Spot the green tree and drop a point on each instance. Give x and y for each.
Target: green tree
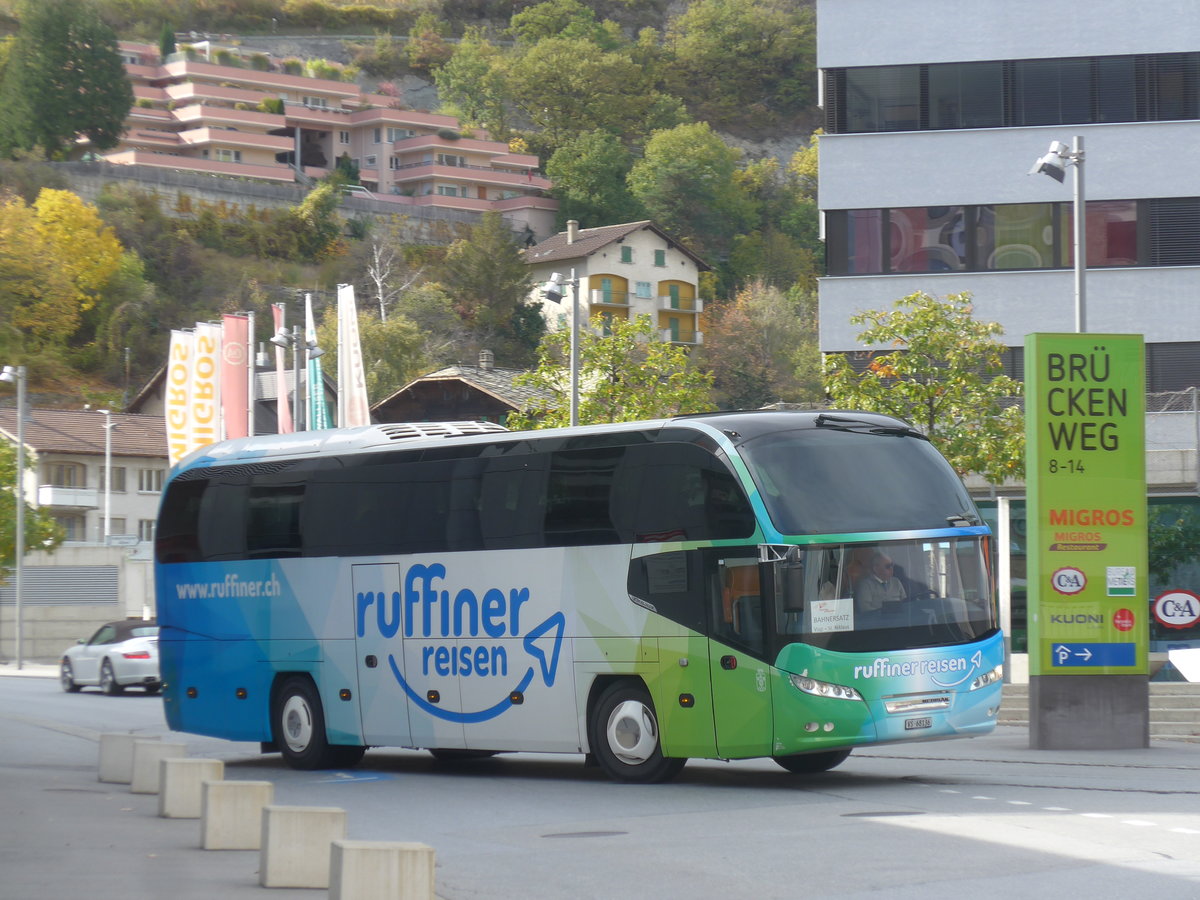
(471, 84)
(166, 41)
(560, 82)
(392, 351)
(626, 373)
(686, 182)
(427, 47)
(747, 62)
(589, 173)
(489, 283)
(65, 78)
(944, 374)
(41, 531)
(564, 18)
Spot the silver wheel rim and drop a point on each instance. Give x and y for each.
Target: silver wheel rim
(106, 675)
(65, 676)
(632, 732)
(297, 724)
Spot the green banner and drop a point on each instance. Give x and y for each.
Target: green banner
(1085, 463)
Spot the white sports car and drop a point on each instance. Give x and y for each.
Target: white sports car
(119, 655)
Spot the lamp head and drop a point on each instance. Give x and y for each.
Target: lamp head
(553, 291)
(313, 350)
(1051, 164)
(9, 374)
(282, 338)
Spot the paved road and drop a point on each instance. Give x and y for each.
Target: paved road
(980, 818)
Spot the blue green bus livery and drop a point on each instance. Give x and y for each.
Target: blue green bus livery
(756, 584)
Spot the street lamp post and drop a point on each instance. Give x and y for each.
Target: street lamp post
(17, 374)
(300, 347)
(554, 293)
(109, 425)
(1054, 164)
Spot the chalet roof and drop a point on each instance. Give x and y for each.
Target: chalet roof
(81, 431)
(591, 240)
(496, 382)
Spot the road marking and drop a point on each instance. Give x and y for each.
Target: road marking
(1140, 823)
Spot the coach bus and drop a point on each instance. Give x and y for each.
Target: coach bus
(775, 583)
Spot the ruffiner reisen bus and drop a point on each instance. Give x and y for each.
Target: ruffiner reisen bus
(640, 593)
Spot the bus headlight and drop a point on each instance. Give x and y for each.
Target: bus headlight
(824, 688)
(988, 678)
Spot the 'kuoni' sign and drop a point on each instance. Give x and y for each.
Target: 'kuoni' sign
(1085, 468)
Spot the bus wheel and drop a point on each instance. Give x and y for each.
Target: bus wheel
(299, 725)
(807, 763)
(624, 737)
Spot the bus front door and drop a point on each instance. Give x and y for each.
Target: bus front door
(379, 649)
(741, 682)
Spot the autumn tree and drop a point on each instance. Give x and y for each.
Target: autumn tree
(64, 78)
(761, 348)
(944, 373)
(626, 373)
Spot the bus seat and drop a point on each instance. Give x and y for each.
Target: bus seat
(747, 619)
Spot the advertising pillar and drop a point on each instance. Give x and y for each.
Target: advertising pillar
(1088, 569)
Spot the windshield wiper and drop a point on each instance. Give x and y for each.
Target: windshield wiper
(844, 423)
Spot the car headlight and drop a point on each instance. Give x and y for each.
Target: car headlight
(988, 678)
(824, 688)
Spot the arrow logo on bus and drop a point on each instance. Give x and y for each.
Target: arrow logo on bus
(976, 662)
(542, 643)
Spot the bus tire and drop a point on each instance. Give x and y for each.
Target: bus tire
(298, 723)
(808, 763)
(624, 736)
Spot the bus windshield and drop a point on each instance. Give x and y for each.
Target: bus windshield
(844, 481)
(885, 596)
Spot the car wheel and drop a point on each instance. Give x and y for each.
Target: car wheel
(153, 688)
(624, 736)
(108, 680)
(298, 722)
(67, 676)
(808, 763)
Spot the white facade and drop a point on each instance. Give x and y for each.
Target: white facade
(1140, 158)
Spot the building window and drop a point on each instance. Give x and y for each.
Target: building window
(377, 135)
(150, 481)
(371, 161)
(318, 102)
(1076, 90)
(447, 190)
(626, 254)
(451, 159)
(642, 289)
(1156, 232)
(74, 527)
(116, 524)
(660, 258)
(394, 162)
(66, 474)
(398, 134)
(118, 479)
(224, 154)
(343, 137)
(146, 529)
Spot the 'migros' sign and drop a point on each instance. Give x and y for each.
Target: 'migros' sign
(1086, 474)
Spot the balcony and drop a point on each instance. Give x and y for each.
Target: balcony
(682, 336)
(681, 304)
(50, 495)
(609, 298)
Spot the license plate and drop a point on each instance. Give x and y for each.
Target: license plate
(914, 724)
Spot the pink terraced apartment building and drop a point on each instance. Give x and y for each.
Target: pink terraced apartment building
(194, 115)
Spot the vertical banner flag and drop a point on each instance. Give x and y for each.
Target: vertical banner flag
(235, 375)
(177, 397)
(206, 385)
(282, 410)
(353, 408)
(318, 411)
(1085, 472)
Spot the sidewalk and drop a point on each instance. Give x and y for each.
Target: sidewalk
(29, 670)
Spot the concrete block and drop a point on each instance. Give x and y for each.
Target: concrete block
(146, 757)
(116, 757)
(296, 842)
(231, 814)
(180, 784)
(380, 870)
